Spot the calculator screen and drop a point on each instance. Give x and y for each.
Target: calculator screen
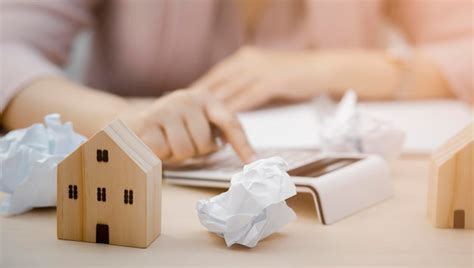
(321, 167)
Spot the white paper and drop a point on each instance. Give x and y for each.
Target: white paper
(254, 206)
(290, 126)
(28, 160)
(426, 123)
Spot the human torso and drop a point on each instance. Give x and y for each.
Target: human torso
(144, 48)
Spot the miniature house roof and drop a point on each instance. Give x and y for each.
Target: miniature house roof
(454, 145)
(132, 145)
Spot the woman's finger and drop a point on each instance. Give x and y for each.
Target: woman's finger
(249, 98)
(199, 129)
(233, 86)
(218, 75)
(156, 140)
(231, 129)
(178, 138)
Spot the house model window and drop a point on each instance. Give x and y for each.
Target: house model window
(128, 197)
(102, 156)
(101, 194)
(72, 191)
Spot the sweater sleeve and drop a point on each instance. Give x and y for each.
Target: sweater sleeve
(443, 31)
(35, 40)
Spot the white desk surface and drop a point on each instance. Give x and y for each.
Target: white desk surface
(395, 233)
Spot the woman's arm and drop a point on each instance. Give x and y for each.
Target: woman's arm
(35, 40)
(440, 64)
(443, 32)
(252, 77)
(375, 74)
(87, 108)
(176, 127)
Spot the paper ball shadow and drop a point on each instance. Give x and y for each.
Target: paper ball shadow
(218, 242)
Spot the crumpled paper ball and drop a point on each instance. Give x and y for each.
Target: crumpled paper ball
(343, 128)
(28, 160)
(254, 206)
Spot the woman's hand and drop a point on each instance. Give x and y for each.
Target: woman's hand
(180, 125)
(252, 77)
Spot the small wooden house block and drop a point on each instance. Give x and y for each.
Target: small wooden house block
(451, 185)
(109, 190)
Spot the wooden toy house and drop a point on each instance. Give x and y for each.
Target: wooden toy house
(109, 190)
(451, 185)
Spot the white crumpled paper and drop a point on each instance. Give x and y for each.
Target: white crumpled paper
(254, 206)
(343, 128)
(28, 160)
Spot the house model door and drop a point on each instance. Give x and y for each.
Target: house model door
(102, 234)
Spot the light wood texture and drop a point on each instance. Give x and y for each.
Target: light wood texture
(130, 166)
(70, 220)
(395, 233)
(451, 187)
